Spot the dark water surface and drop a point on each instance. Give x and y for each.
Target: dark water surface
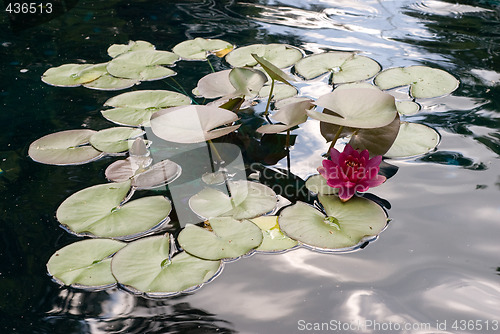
(437, 264)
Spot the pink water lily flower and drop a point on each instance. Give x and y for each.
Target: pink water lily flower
(351, 171)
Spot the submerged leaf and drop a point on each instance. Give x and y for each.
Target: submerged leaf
(280, 55)
(413, 139)
(199, 48)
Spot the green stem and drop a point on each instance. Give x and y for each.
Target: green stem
(287, 144)
(270, 97)
(210, 64)
(214, 149)
(334, 141)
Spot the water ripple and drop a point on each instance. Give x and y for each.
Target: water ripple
(445, 8)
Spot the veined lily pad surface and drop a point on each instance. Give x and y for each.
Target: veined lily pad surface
(248, 200)
(143, 65)
(273, 71)
(85, 263)
(274, 240)
(73, 75)
(342, 227)
(115, 140)
(317, 185)
(424, 82)
(118, 49)
(280, 55)
(344, 66)
(413, 139)
(69, 147)
(146, 266)
(109, 82)
(99, 211)
(229, 238)
(199, 48)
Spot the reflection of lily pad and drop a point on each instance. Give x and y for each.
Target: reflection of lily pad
(64, 148)
(114, 140)
(98, 211)
(85, 264)
(274, 240)
(118, 49)
(344, 227)
(228, 239)
(344, 66)
(424, 82)
(280, 55)
(413, 139)
(143, 65)
(73, 75)
(248, 200)
(199, 48)
(145, 265)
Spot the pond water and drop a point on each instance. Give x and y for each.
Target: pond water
(435, 269)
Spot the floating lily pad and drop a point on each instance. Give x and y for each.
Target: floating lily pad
(199, 48)
(115, 140)
(344, 66)
(407, 108)
(274, 240)
(344, 227)
(64, 148)
(280, 55)
(247, 81)
(143, 65)
(248, 200)
(318, 185)
(118, 49)
(228, 239)
(146, 266)
(98, 211)
(109, 82)
(424, 82)
(357, 108)
(230, 83)
(280, 92)
(193, 124)
(85, 264)
(413, 139)
(73, 75)
(289, 115)
(273, 71)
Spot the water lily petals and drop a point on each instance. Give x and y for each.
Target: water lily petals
(199, 48)
(145, 266)
(118, 49)
(152, 99)
(344, 227)
(345, 66)
(424, 82)
(317, 184)
(85, 264)
(64, 148)
(73, 75)
(273, 239)
(229, 239)
(413, 139)
(280, 55)
(246, 81)
(357, 108)
(143, 65)
(97, 211)
(193, 124)
(114, 140)
(378, 140)
(109, 82)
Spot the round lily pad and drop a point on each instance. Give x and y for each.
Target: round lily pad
(280, 92)
(424, 82)
(345, 225)
(85, 264)
(146, 266)
(148, 99)
(318, 185)
(199, 48)
(229, 83)
(143, 65)
(228, 239)
(407, 108)
(273, 71)
(413, 139)
(274, 240)
(73, 75)
(344, 66)
(193, 124)
(64, 148)
(248, 200)
(246, 81)
(114, 140)
(99, 211)
(118, 49)
(280, 55)
(109, 82)
(356, 108)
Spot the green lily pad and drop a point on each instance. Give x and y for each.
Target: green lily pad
(146, 266)
(424, 82)
(274, 240)
(248, 200)
(115, 140)
(230, 83)
(344, 66)
(280, 55)
(193, 124)
(73, 75)
(280, 92)
(143, 65)
(318, 185)
(407, 108)
(148, 99)
(99, 211)
(228, 239)
(246, 81)
(64, 148)
(109, 82)
(273, 71)
(85, 264)
(356, 108)
(199, 48)
(413, 139)
(344, 227)
(118, 49)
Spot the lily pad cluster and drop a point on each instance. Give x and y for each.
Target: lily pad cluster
(128, 237)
